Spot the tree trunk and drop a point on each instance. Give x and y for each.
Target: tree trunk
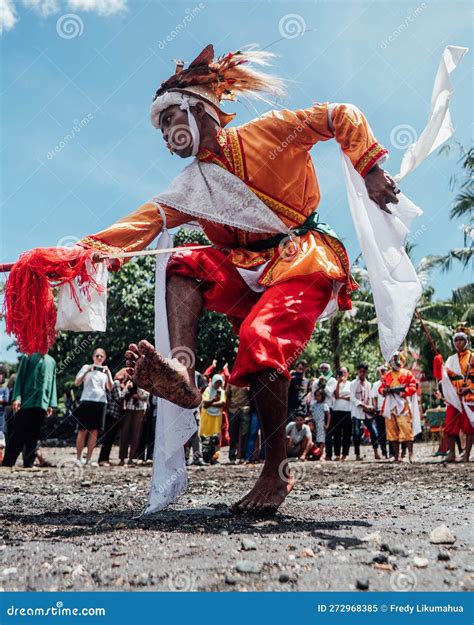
(334, 337)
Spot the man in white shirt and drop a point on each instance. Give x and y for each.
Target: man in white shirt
(362, 411)
(377, 402)
(341, 415)
(326, 382)
(298, 439)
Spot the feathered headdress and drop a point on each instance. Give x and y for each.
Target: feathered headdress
(462, 330)
(223, 79)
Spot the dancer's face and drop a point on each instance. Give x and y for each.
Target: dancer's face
(460, 343)
(176, 132)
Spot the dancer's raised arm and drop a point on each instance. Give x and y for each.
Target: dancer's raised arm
(133, 232)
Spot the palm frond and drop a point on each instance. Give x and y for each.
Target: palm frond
(439, 328)
(463, 294)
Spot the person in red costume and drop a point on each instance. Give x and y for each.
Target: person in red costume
(457, 378)
(398, 386)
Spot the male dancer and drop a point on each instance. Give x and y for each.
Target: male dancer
(458, 390)
(272, 293)
(398, 387)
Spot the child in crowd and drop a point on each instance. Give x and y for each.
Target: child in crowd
(322, 418)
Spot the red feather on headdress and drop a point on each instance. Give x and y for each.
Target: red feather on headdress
(228, 76)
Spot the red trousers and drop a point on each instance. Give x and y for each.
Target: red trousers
(273, 327)
(456, 421)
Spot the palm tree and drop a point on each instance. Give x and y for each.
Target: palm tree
(463, 208)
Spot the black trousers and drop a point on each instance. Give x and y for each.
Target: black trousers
(330, 437)
(27, 424)
(147, 441)
(341, 427)
(382, 436)
(235, 420)
(111, 429)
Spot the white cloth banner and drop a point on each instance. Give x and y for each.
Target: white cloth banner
(395, 284)
(91, 316)
(174, 425)
(439, 127)
(393, 279)
(449, 391)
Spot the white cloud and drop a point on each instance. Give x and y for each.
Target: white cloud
(102, 7)
(44, 7)
(7, 15)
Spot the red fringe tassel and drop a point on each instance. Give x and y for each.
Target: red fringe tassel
(29, 308)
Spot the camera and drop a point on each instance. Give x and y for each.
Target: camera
(98, 368)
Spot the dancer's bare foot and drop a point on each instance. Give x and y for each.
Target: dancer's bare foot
(449, 459)
(464, 458)
(163, 377)
(266, 496)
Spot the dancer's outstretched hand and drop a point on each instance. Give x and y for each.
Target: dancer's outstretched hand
(381, 188)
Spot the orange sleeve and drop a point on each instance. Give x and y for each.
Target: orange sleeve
(410, 384)
(135, 231)
(384, 385)
(284, 128)
(354, 135)
(305, 127)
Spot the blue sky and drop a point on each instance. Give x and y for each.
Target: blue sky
(95, 64)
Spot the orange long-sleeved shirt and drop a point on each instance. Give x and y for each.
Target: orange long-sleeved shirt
(466, 379)
(402, 377)
(271, 156)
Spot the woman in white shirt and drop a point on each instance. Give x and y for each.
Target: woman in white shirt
(341, 415)
(96, 380)
(363, 411)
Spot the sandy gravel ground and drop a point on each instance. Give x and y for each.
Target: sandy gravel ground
(346, 526)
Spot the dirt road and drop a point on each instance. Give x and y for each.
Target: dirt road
(346, 526)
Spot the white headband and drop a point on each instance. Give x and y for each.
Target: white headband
(185, 101)
(461, 335)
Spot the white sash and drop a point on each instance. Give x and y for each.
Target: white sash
(449, 390)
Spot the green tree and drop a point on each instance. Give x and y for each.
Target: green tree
(130, 317)
(463, 208)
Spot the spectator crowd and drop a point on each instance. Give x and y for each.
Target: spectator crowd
(328, 415)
